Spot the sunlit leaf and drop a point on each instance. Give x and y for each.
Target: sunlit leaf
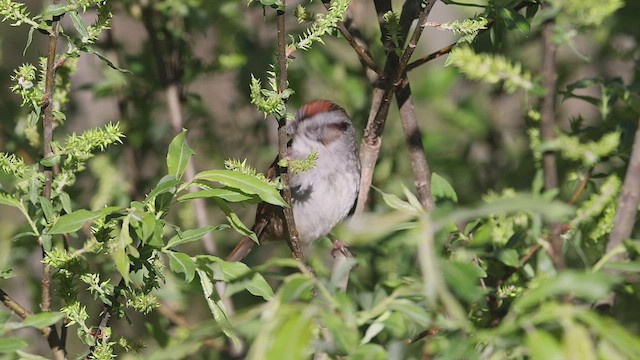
(245, 183)
(73, 222)
(178, 155)
(190, 235)
(441, 189)
(42, 320)
(182, 263)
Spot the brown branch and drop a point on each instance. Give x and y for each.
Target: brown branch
(625, 217)
(413, 136)
(372, 140)
(434, 55)
(50, 332)
(547, 125)
(581, 187)
(362, 52)
(293, 242)
(13, 305)
(52, 336)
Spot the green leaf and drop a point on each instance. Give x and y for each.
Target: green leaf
(120, 255)
(216, 306)
(441, 189)
(275, 4)
(65, 200)
(104, 59)
(462, 279)
(182, 263)
(588, 286)
(412, 311)
(26, 356)
(6, 199)
(178, 155)
(29, 40)
(11, 344)
(78, 23)
(238, 275)
(73, 222)
(47, 208)
(515, 20)
(543, 346)
(577, 342)
(166, 185)
(396, 203)
(370, 352)
(611, 331)
(293, 336)
(145, 226)
(6, 273)
(296, 287)
(235, 221)
(43, 319)
(54, 10)
(521, 203)
(227, 194)
(245, 183)
(189, 236)
(509, 257)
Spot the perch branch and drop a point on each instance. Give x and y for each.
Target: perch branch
(413, 136)
(547, 124)
(55, 344)
(294, 243)
(362, 52)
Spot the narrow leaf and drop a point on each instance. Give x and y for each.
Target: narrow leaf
(182, 263)
(178, 155)
(43, 319)
(6, 199)
(78, 23)
(216, 306)
(227, 194)
(120, 255)
(189, 236)
(73, 222)
(235, 221)
(441, 189)
(246, 183)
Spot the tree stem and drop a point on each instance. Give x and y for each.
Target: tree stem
(293, 241)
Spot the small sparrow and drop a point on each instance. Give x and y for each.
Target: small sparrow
(322, 196)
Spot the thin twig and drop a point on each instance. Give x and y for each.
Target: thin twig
(293, 241)
(547, 125)
(447, 49)
(434, 55)
(362, 52)
(49, 332)
(581, 187)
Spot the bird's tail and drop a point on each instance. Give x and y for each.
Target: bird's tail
(241, 250)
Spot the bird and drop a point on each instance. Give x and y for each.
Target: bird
(322, 196)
